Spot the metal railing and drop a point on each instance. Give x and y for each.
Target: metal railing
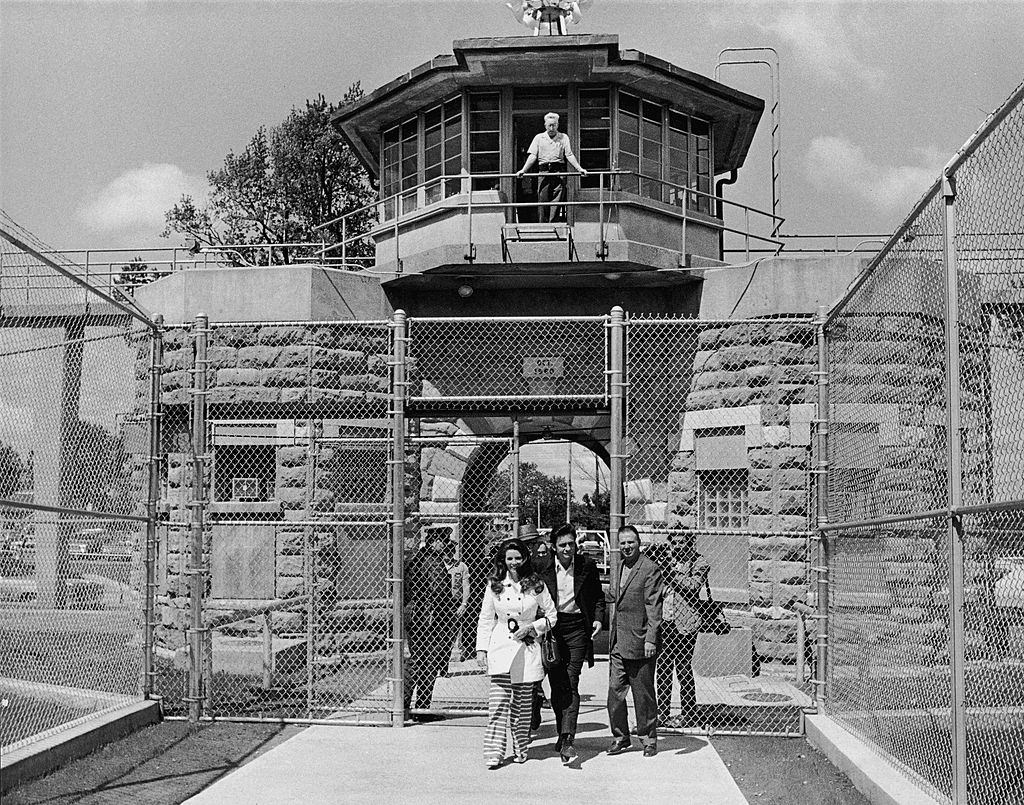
(609, 196)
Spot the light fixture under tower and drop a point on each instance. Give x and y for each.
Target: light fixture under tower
(465, 291)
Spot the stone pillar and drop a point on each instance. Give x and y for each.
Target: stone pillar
(53, 477)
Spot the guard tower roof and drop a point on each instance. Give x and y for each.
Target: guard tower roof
(528, 60)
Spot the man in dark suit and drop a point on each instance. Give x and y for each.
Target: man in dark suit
(633, 644)
(573, 582)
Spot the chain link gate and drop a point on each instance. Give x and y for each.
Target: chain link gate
(719, 421)
(276, 588)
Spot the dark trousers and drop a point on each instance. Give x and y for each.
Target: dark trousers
(550, 192)
(429, 652)
(571, 632)
(638, 676)
(676, 657)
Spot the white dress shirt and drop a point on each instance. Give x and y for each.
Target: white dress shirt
(566, 578)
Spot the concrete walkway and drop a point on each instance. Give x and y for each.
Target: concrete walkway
(443, 762)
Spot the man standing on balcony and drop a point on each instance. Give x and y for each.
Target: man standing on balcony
(550, 150)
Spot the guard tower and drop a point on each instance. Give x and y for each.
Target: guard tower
(458, 231)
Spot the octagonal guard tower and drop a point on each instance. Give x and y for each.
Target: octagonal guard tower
(459, 231)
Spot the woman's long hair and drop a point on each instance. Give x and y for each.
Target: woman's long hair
(528, 579)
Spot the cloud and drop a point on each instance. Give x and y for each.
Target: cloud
(820, 42)
(837, 163)
(137, 199)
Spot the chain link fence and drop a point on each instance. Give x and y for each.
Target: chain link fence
(718, 437)
(75, 423)
(925, 499)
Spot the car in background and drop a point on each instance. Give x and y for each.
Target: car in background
(1009, 586)
(595, 544)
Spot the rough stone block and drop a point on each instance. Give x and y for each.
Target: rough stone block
(294, 395)
(289, 543)
(761, 502)
(703, 400)
(681, 520)
(346, 361)
(237, 377)
(760, 375)
(791, 522)
(708, 338)
(290, 476)
(289, 565)
(292, 497)
(775, 435)
(683, 460)
(793, 573)
(715, 380)
(445, 464)
(238, 336)
(175, 380)
(680, 481)
(258, 357)
(742, 395)
(295, 356)
(791, 501)
(281, 335)
(791, 457)
(288, 586)
(283, 622)
(762, 458)
(282, 377)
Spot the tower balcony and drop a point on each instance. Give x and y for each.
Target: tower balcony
(622, 222)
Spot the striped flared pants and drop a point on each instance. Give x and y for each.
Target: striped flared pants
(508, 710)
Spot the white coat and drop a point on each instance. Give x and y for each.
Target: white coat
(504, 654)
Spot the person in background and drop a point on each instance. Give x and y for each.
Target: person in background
(633, 645)
(516, 609)
(685, 577)
(429, 619)
(576, 588)
(541, 556)
(459, 577)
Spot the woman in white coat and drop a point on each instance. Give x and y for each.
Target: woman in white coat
(516, 609)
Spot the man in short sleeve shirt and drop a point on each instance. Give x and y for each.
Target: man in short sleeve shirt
(550, 151)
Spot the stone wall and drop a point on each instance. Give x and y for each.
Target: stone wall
(753, 382)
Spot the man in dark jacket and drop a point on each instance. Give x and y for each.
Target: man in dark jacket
(633, 644)
(573, 582)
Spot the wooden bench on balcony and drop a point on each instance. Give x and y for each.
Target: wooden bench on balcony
(554, 231)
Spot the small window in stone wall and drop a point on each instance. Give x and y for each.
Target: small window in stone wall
(722, 499)
(243, 472)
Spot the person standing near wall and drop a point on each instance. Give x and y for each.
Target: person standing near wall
(576, 588)
(686, 577)
(550, 151)
(633, 645)
(459, 588)
(429, 619)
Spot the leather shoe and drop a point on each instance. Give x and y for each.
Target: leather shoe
(618, 747)
(568, 755)
(650, 751)
(558, 743)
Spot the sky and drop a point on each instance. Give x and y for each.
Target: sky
(110, 111)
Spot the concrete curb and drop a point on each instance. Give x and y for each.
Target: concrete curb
(43, 756)
(870, 771)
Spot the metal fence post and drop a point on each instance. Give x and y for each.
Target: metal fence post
(398, 391)
(155, 415)
(617, 404)
(196, 573)
(514, 471)
(954, 466)
(308, 568)
(821, 507)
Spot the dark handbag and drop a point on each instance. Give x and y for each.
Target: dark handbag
(709, 614)
(549, 653)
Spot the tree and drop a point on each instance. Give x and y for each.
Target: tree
(98, 471)
(12, 471)
(285, 183)
(135, 273)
